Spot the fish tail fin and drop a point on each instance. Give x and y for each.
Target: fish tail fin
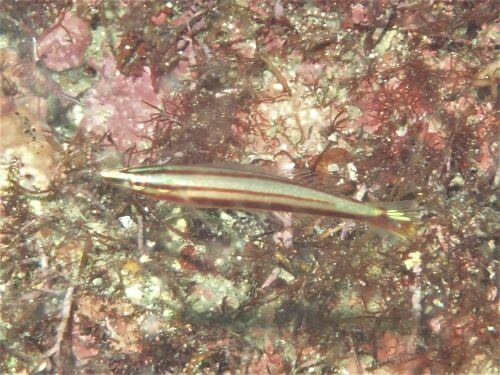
(400, 219)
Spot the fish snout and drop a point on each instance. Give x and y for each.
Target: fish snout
(115, 177)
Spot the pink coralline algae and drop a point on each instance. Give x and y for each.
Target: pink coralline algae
(120, 104)
(371, 106)
(359, 14)
(64, 46)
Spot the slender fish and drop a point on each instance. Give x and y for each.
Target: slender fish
(225, 187)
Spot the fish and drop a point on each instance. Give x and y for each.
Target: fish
(240, 188)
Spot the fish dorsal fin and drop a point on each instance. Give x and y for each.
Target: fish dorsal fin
(268, 171)
(327, 183)
(324, 182)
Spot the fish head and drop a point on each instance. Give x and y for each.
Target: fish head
(123, 178)
(137, 179)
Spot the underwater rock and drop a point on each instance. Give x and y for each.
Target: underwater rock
(24, 138)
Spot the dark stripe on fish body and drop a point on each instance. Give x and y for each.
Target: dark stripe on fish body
(208, 173)
(227, 190)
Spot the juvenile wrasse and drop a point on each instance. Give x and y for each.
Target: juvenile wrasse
(224, 187)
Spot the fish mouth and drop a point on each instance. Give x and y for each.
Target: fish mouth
(115, 177)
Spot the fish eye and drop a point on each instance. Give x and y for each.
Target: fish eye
(137, 185)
